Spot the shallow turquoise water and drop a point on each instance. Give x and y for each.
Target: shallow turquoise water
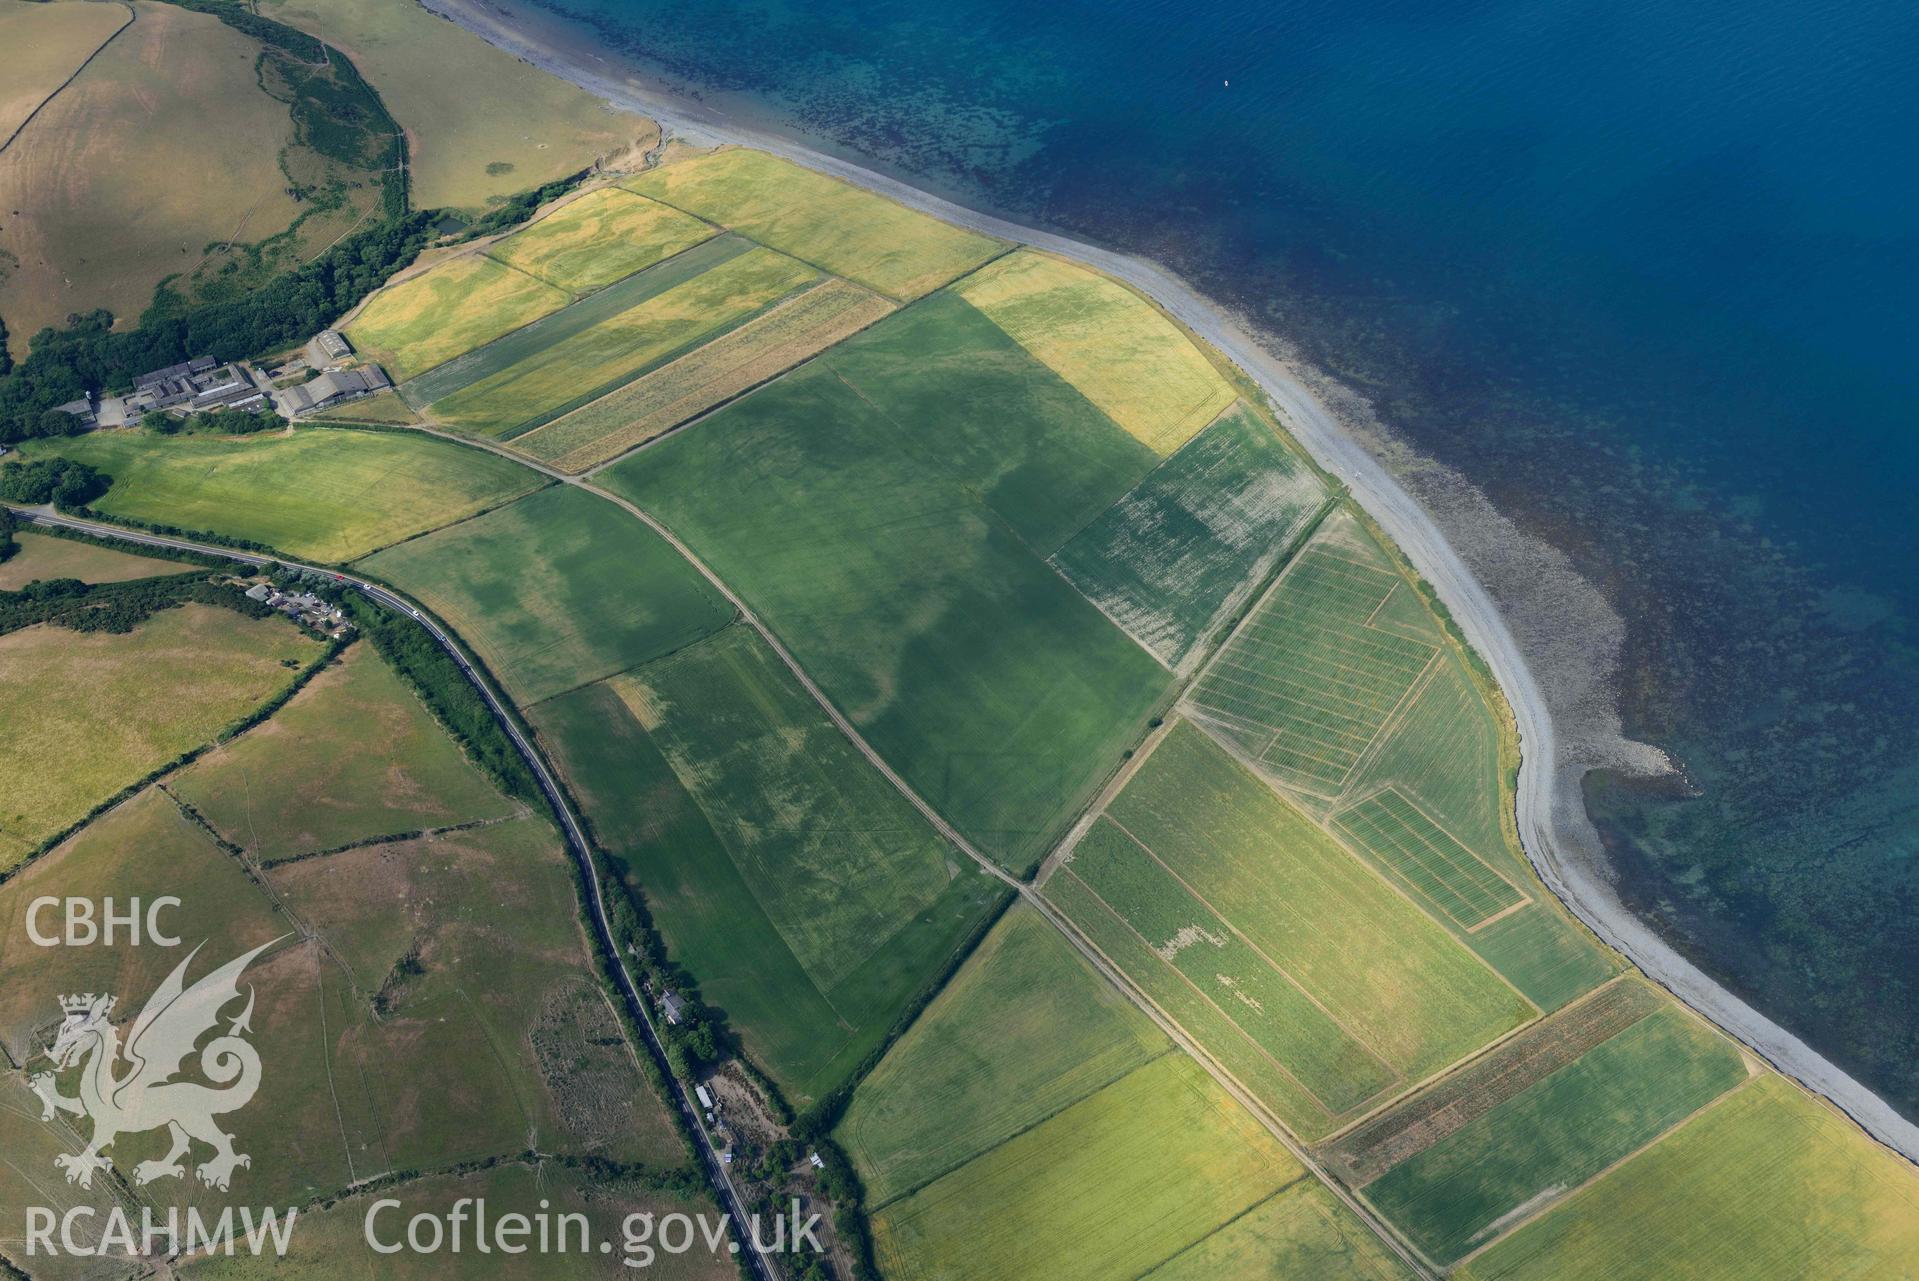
(1644, 271)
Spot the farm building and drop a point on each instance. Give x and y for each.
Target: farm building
(329, 389)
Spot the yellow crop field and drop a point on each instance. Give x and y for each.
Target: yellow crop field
(41, 45)
(480, 123)
(461, 304)
(599, 238)
(1769, 1185)
(85, 714)
(1107, 341)
(165, 144)
(722, 369)
(849, 231)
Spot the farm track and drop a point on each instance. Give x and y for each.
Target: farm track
(570, 825)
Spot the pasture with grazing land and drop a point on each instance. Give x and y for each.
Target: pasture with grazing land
(171, 156)
(995, 689)
(86, 714)
(813, 901)
(1023, 1031)
(1560, 1130)
(481, 124)
(328, 493)
(1297, 902)
(446, 311)
(1177, 555)
(1111, 1186)
(557, 590)
(42, 45)
(763, 347)
(846, 230)
(1770, 1184)
(659, 325)
(44, 556)
(353, 755)
(591, 242)
(1118, 349)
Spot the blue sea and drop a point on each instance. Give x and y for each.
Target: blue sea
(1645, 271)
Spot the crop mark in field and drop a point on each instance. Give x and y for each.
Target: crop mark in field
(1308, 685)
(1375, 1146)
(1414, 846)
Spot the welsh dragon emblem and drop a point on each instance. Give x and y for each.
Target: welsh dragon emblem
(133, 1088)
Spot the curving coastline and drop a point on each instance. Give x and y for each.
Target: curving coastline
(1557, 835)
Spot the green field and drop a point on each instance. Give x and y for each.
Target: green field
(760, 349)
(86, 714)
(1109, 342)
(1025, 1030)
(1769, 1185)
(1420, 852)
(1175, 557)
(354, 755)
(1343, 687)
(1250, 864)
(1305, 686)
(1112, 1186)
(996, 690)
(1557, 1133)
(557, 590)
(44, 556)
(581, 368)
(844, 229)
(1302, 1233)
(463, 303)
(808, 898)
(327, 493)
(593, 241)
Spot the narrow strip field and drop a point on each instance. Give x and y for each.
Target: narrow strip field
(1178, 554)
(846, 230)
(44, 557)
(580, 369)
(1118, 349)
(447, 311)
(527, 340)
(557, 590)
(1425, 854)
(595, 240)
(763, 347)
(324, 493)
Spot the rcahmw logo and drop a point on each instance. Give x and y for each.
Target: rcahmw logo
(184, 1062)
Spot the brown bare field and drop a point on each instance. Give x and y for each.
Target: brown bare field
(742, 359)
(1370, 1149)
